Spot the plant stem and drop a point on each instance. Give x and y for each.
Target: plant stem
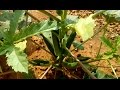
(46, 72)
(99, 50)
(83, 67)
(101, 42)
(50, 15)
(92, 60)
(103, 66)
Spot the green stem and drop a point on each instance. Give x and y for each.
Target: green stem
(92, 60)
(50, 15)
(26, 18)
(99, 50)
(101, 42)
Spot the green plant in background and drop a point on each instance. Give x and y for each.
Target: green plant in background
(59, 34)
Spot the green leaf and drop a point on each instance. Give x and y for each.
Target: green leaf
(29, 75)
(52, 42)
(59, 12)
(47, 36)
(117, 41)
(78, 45)
(70, 39)
(108, 55)
(4, 49)
(71, 19)
(39, 62)
(70, 65)
(18, 60)
(4, 26)
(84, 27)
(21, 45)
(107, 42)
(113, 14)
(6, 15)
(34, 29)
(100, 74)
(56, 45)
(83, 58)
(15, 20)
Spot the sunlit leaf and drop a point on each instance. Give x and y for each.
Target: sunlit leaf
(84, 27)
(78, 45)
(34, 29)
(100, 74)
(21, 45)
(113, 14)
(107, 42)
(17, 60)
(70, 65)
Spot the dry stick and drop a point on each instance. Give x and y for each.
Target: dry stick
(83, 67)
(112, 69)
(32, 16)
(71, 74)
(50, 15)
(46, 72)
(4, 73)
(103, 66)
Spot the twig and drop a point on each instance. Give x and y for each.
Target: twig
(103, 66)
(4, 73)
(70, 73)
(50, 15)
(46, 72)
(112, 69)
(83, 67)
(32, 16)
(99, 50)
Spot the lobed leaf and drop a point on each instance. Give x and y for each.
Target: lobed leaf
(84, 27)
(35, 28)
(17, 60)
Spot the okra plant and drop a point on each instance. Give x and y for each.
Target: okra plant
(59, 34)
